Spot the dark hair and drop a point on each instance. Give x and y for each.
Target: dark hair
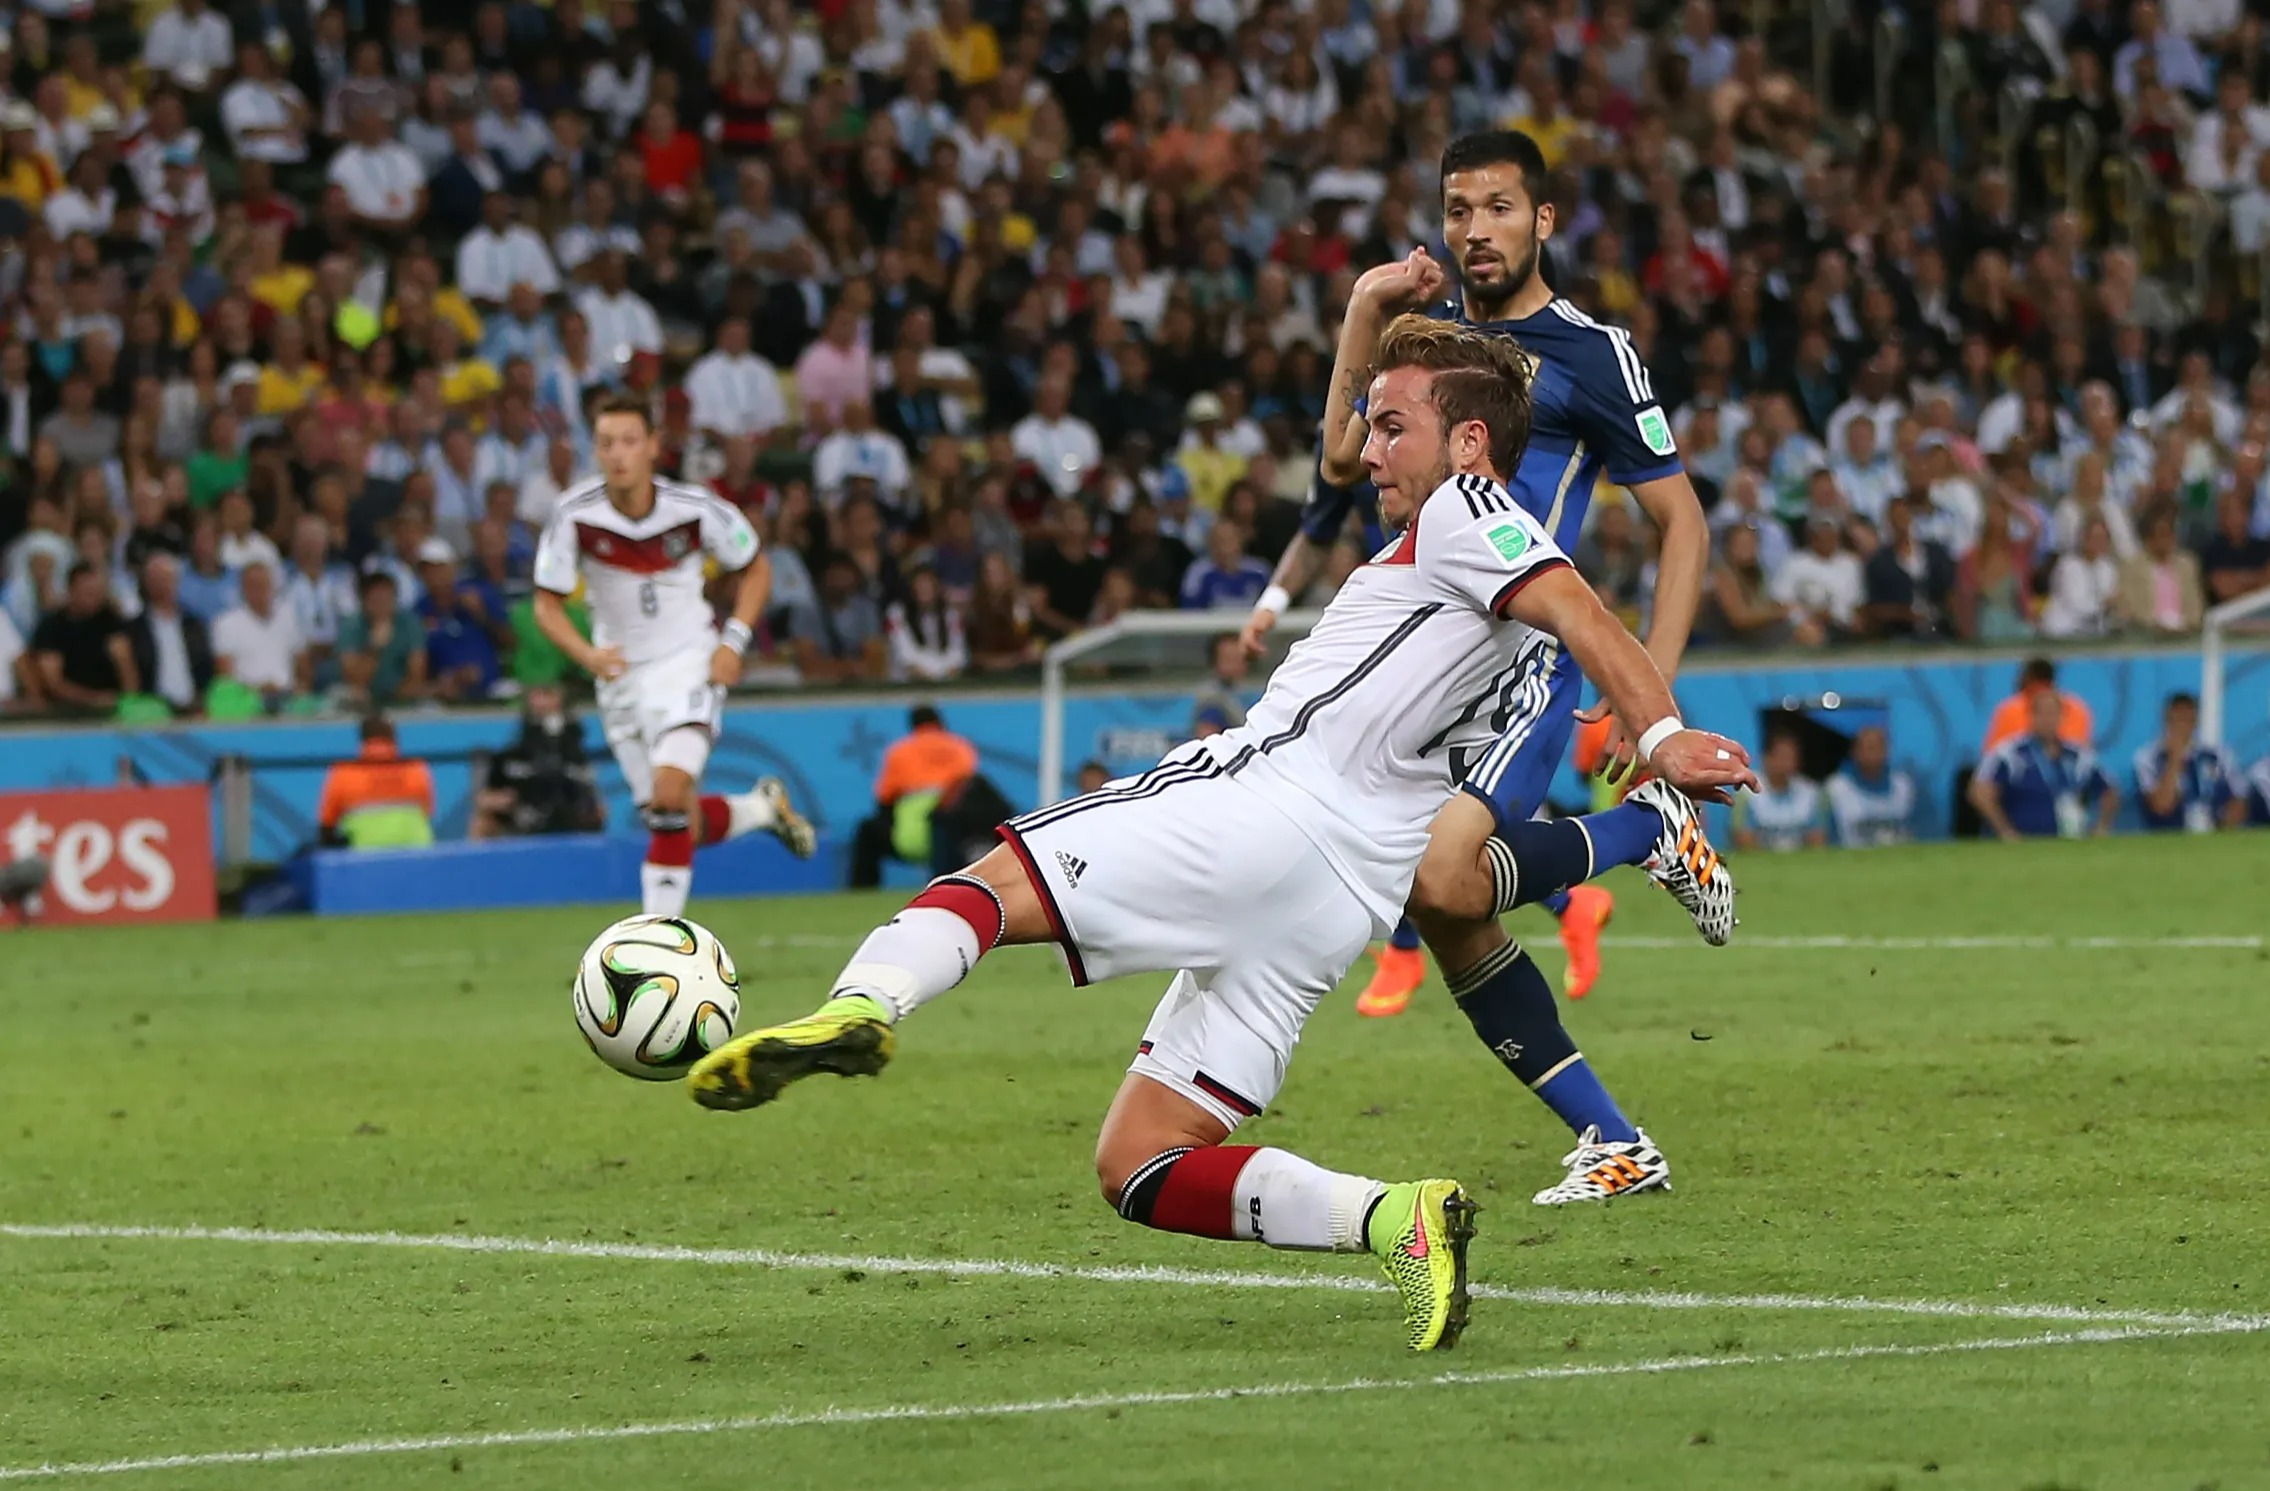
(2187, 701)
(377, 727)
(2037, 670)
(1499, 147)
(374, 579)
(78, 568)
(623, 403)
(1476, 377)
(923, 714)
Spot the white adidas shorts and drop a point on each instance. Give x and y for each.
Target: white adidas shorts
(661, 713)
(1182, 869)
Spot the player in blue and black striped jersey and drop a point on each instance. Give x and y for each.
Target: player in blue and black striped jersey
(1594, 412)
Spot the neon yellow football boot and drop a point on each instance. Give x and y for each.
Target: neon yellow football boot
(1419, 1232)
(849, 1035)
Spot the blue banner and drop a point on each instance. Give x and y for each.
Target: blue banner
(828, 752)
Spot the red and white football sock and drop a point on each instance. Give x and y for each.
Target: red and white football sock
(929, 947)
(1244, 1194)
(725, 818)
(667, 877)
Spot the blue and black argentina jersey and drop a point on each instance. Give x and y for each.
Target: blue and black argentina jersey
(1594, 410)
(1325, 515)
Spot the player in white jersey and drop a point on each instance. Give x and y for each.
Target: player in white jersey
(1492, 847)
(641, 544)
(1257, 864)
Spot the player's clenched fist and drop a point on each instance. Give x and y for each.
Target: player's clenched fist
(606, 663)
(725, 667)
(1411, 280)
(1703, 765)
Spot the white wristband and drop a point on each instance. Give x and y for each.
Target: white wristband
(1274, 600)
(1657, 733)
(736, 635)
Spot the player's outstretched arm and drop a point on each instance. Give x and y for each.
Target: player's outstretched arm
(1699, 763)
(1671, 504)
(1296, 571)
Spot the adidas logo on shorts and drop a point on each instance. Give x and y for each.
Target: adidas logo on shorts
(1073, 867)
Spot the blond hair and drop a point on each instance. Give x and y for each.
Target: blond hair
(1478, 376)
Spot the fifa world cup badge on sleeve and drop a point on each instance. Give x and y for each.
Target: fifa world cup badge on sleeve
(1655, 430)
(1510, 542)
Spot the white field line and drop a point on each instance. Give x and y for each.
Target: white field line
(948, 1412)
(1108, 1274)
(1955, 944)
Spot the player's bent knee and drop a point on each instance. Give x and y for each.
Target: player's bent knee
(1122, 1167)
(1024, 917)
(1148, 1123)
(673, 791)
(1112, 1175)
(1452, 882)
(1449, 888)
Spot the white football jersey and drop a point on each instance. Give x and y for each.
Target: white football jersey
(644, 574)
(1355, 736)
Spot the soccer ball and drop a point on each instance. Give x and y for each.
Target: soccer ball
(655, 994)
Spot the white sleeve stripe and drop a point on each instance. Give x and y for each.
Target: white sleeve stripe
(1635, 370)
(1637, 383)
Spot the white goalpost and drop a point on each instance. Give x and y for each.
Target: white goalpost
(2214, 630)
(1171, 641)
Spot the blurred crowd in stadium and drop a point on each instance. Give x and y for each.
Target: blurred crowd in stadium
(1002, 319)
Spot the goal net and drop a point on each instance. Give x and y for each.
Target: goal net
(1124, 693)
(2248, 618)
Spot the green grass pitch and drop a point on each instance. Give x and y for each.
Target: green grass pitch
(2064, 1139)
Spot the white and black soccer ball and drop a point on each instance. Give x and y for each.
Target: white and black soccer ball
(655, 994)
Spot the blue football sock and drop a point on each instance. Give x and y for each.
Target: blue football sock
(1551, 854)
(1405, 936)
(1623, 835)
(1576, 1093)
(1513, 1011)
